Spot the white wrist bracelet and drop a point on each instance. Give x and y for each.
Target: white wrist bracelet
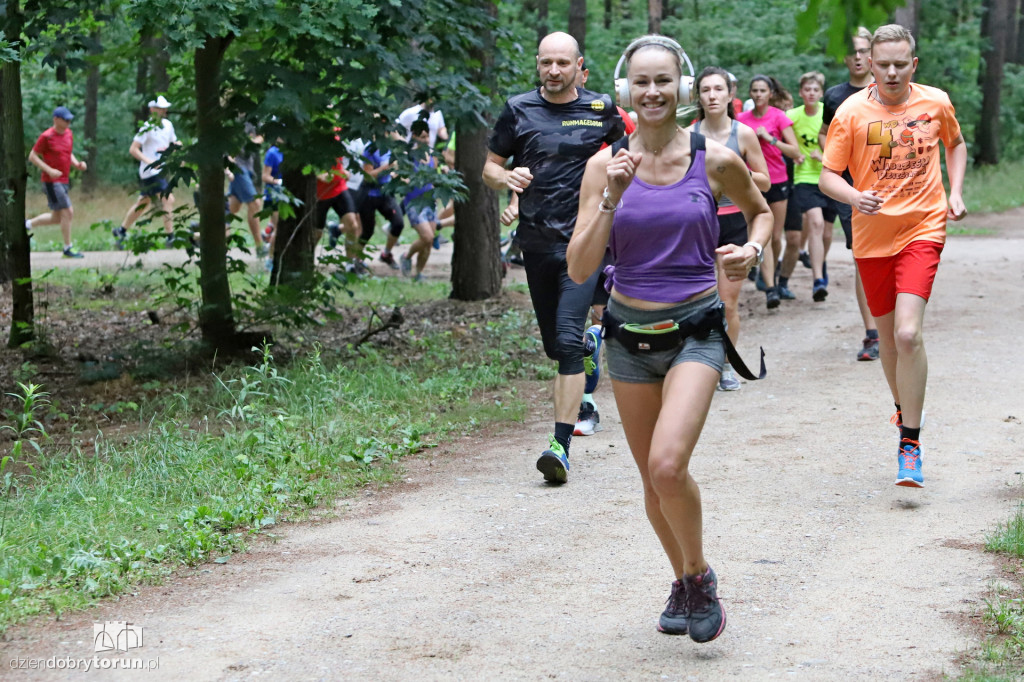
(759, 249)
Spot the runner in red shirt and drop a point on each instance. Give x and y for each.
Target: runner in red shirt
(53, 156)
(332, 192)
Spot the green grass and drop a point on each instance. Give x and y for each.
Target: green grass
(1001, 658)
(994, 188)
(218, 464)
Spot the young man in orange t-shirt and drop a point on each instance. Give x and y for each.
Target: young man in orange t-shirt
(888, 136)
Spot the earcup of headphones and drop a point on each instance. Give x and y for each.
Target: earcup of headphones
(622, 92)
(686, 90)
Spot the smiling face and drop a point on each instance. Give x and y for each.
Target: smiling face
(557, 65)
(714, 95)
(654, 84)
(893, 65)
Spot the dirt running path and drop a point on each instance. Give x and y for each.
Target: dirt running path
(473, 569)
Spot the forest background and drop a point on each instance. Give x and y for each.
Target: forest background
(302, 72)
(745, 37)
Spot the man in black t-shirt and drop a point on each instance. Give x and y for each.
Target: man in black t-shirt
(859, 64)
(552, 132)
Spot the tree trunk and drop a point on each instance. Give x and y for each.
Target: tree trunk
(907, 16)
(1018, 55)
(542, 20)
(216, 320)
(654, 16)
(476, 259)
(607, 14)
(159, 59)
(294, 246)
(578, 23)
(994, 29)
(15, 257)
(92, 92)
(142, 74)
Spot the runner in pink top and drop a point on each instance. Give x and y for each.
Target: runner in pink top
(775, 132)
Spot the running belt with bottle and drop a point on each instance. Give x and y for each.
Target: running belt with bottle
(663, 243)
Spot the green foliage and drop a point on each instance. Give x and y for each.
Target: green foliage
(841, 17)
(263, 446)
(1010, 106)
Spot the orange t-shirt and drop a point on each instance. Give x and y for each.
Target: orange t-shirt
(897, 155)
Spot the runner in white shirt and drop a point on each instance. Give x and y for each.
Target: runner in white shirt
(434, 117)
(154, 138)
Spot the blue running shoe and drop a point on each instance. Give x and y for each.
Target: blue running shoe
(805, 259)
(592, 358)
(437, 242)
(554, 463)
(675, 619)
(909, 458)
(707, 617)
(819, 291)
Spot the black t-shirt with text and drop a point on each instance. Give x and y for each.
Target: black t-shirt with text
(554, 141)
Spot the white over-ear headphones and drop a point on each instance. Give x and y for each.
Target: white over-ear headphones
(685, 82)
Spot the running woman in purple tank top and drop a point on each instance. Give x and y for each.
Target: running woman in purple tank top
(663, 394)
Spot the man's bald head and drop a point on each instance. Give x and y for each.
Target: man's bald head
(558, 61)
(559, 41)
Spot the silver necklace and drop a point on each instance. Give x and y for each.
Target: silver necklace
(906, 105)
(662, 148)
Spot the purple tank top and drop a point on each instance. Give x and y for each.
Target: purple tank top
(664, 237)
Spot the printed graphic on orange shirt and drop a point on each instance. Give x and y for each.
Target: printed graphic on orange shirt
(902, 147)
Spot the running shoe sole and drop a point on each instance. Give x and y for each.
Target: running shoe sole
(673, 631)
(820, 294)
(909, 483)
(587, 428)
(553, 468)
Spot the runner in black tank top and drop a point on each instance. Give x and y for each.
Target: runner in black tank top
(716, 121)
